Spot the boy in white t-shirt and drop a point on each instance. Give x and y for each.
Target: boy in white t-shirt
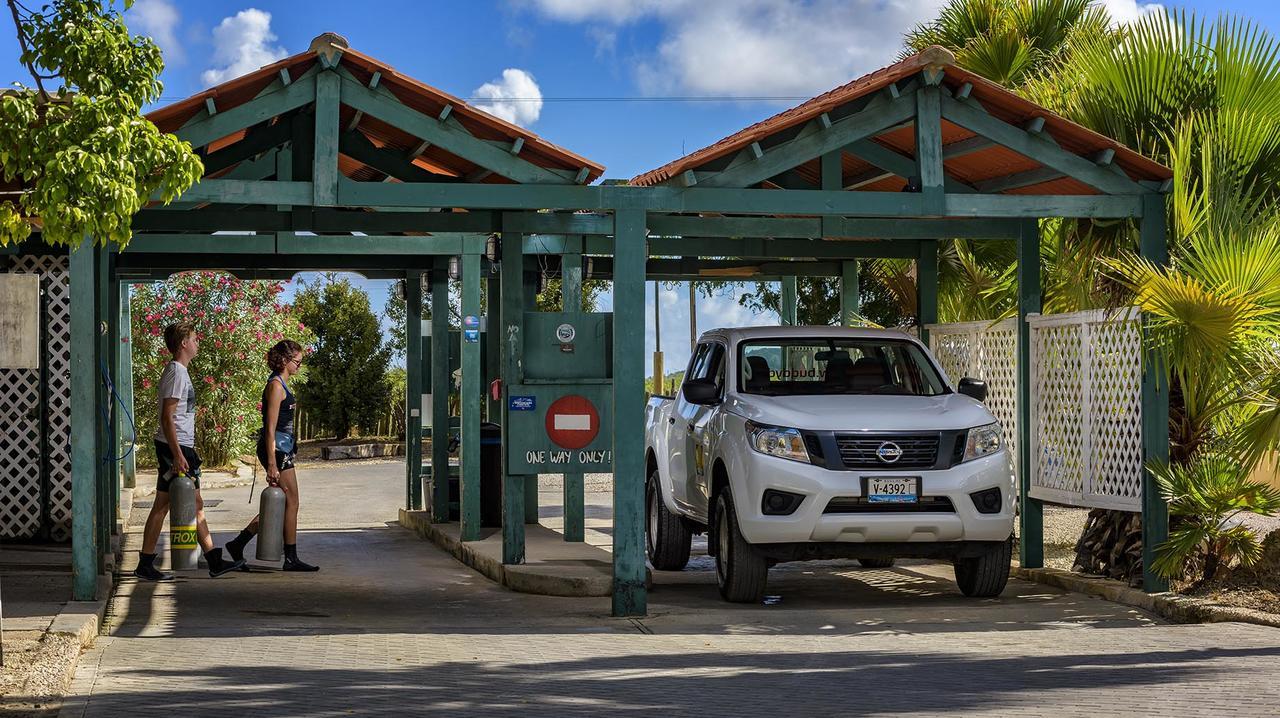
(176, 454)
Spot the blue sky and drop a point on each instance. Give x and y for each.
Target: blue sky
(631, 84)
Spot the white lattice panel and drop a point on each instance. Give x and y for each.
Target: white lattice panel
(19, 408)
(986, 351)
(1086, 409)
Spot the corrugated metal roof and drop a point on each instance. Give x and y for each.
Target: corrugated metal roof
(411, 92)
(991, 162)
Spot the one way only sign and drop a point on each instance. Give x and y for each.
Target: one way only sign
(572, 422)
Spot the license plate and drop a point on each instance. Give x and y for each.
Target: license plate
(892, 490)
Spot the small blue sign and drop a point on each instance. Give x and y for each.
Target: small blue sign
(522, 403)
(471, 336)
(471, 321)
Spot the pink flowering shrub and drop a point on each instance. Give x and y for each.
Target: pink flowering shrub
(236, 323)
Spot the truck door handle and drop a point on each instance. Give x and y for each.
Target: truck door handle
(671, 420)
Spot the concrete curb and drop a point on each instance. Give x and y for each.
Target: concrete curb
(1173, 606)
(575, 569)
(80, 621)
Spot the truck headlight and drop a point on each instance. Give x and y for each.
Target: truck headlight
(777, 441)
(982, 441)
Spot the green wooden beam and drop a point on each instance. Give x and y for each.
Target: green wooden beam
(200, 244)
(124, 388)
(929, 149)
(1019, 180)
(1031, 515)
(324, 173)
(1154, 247)
(435, 244)
(1044, 206)
(805, 147)
(571, 297)
(440, 382)
(355, 145)
(84, 413)
(263, 107)
(850, 299)
(1046, 153)
(560, 223)
(967, 146)
(927, 287)
(231, 191)
(472, 374)
(259, 139)
(448, 136)
(629, 596)
(511, 341)
(413, 389)
(787, 301)
(898, 164)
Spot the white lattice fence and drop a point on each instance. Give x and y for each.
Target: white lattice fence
(20, 490)
(986, 351)
(1086, 409)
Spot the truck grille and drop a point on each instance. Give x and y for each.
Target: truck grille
(858, 451)
(859, 505)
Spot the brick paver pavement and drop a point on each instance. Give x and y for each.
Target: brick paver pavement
(391, 626)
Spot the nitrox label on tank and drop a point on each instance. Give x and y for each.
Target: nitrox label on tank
(182, 537)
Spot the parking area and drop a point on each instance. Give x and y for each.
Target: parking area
(392, 625)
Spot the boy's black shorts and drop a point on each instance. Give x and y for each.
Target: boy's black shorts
(164, 458)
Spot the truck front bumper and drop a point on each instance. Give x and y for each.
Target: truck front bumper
(818, 519)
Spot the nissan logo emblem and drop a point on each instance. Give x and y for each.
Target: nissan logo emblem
(889, 452)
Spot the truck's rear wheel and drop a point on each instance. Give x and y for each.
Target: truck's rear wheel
(876, 562)
(987, 574)
(667, 537)
(741, 570)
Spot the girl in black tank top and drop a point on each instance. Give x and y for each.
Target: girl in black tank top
(277, 447)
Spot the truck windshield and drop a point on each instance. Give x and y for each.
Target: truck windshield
(785, 367)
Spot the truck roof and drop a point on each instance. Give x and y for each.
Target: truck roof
(737, 334)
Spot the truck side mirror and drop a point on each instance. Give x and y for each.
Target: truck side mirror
(974, 388)
(700, 391)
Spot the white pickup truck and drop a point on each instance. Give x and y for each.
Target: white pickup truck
(800, 443)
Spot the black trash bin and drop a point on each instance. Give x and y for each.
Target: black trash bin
(490, 477)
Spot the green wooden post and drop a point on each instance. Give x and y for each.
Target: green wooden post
(124, 387)
(492, 350)
(629, 598)
(850, 300)
(511, 343)
(84, 414)
(1155, 408)
(787, 300)
(440, 391)
(929, 149)
(472, 374)
(110, 292)
(1031, 516)
(574, 489)
(927, 287)
(324, 173)
(413, 389)
(531, 279)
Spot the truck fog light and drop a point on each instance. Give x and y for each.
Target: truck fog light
(780, 503)
(987, 501)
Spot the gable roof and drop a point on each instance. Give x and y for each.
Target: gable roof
(992, 162)
(413, 93)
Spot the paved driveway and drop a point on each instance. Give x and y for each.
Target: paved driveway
(393, 626)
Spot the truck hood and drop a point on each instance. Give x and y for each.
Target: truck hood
(860, 412)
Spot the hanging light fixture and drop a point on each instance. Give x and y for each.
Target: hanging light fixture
(455, 271)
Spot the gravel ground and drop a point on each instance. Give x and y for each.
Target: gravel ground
(37, 671)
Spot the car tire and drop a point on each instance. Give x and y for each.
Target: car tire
(985, 575)
(876, 562)
(741, 570)
(668, 540)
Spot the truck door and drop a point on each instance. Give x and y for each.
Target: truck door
(679, 458)
(702, 433)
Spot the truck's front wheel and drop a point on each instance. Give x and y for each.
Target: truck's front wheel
(986, 574)
(741, 571)
(667, 537)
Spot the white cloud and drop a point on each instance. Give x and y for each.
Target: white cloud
(1125, 12)
(515, 97)
(157, 19)
(241, 44)
(743, 48)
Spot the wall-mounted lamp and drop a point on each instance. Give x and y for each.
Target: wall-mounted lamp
(455, 270)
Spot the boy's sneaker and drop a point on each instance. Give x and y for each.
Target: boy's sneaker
(236, 552)
(147, 572)
(219, 565)
(299, 566)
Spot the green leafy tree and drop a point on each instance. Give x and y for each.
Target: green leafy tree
(80, 159)
(236, 322)
(348, 386)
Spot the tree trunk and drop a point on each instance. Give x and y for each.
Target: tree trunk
(1111, 546)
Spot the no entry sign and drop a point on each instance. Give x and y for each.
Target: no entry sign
(572, 422)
